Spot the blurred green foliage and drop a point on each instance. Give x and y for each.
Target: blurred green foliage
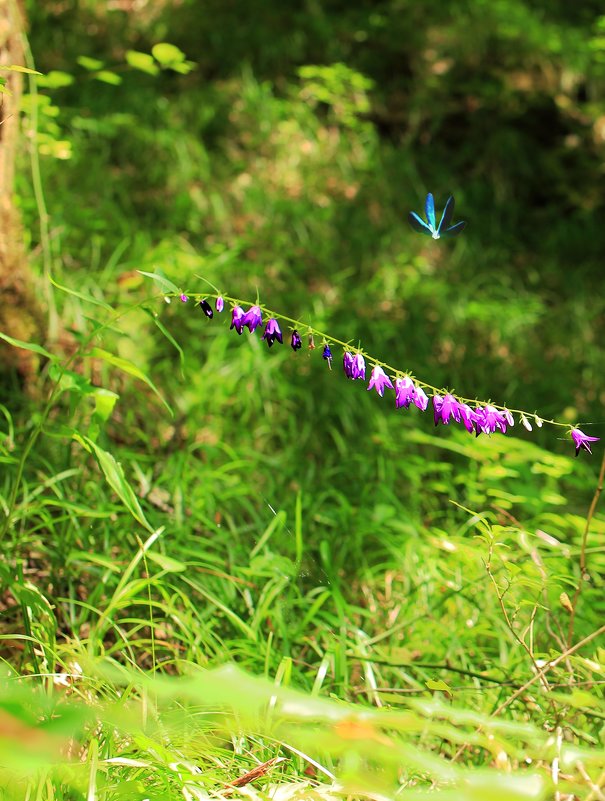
(177, 497)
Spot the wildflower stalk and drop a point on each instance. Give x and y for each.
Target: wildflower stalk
(580, 439)
(583, 573)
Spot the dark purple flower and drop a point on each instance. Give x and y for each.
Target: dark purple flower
(379, 381)
(582, 440)
(272, 332)
(184, 297)
(347, 364)
(206, 308)
(253, 318)
(444, 408)
(296, 342)
(220, 304)
(404, 392)
(237, 319)
(327, 355)
(420, 399)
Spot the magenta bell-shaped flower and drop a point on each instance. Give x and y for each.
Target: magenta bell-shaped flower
(272, 332)
(253, 318)
(379, 381)
(237, 319)
(582, 440)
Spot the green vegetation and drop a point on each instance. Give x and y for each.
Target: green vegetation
(217, 555)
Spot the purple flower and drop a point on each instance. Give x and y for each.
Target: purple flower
(220, 304)
(468, 417)
(253, 318)
(358, 369)
(489, 419)
(206, 308)
(296, 342)
(272, 332)
(184, 297)
(347, 364)
(379, 381)
(404, 392)
(327, 354)
(444, 408)
(582, 440)
(237, 319)
(420, 399)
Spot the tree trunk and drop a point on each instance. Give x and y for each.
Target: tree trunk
(21, 315)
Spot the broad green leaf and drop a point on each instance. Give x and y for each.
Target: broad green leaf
(90, 63)
(105, 76)
(114, 474)
(56, 79)
(142, 61)
(440, 685)
(105, 400)
(167, 54)
(17, 343)
(128, 367)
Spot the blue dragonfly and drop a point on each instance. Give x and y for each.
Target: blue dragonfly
(430, 228)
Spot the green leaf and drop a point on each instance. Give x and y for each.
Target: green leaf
(90, 63)
(105, 400)
(440, 686)
(56, 79)
(167, 563)
(17, 343)
(128, 367)
(80, 295)
(114, 474)
(105, 76)
(142, 61)
(18, 68)
(157, 322)
(163, 282)
(167, 54)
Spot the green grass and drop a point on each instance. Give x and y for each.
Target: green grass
(216, 555)
(282, 552)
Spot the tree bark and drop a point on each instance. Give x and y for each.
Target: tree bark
(21, 315)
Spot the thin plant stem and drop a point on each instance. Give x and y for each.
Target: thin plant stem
(306, 328)
(583, 563)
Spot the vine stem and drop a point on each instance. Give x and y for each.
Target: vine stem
(583, 563)
(329, 339)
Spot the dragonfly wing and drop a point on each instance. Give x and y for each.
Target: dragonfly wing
(429, 208)
(454, 230)
(448, 213)
(419, 224)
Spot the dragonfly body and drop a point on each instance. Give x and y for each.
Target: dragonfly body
(430, 227)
